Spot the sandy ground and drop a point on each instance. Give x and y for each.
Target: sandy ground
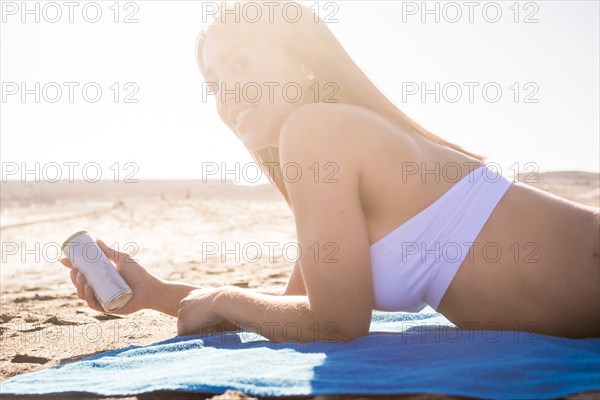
(171, 227)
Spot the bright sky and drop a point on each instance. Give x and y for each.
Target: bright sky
(171, 133)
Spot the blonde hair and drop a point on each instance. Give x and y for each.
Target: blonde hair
(311, 41)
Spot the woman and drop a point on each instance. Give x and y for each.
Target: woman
(401, 217)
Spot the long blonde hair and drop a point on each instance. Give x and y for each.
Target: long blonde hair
(311, 41)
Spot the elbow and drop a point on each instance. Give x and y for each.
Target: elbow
(338, 335)
(337, 331)
(309, 327)
(317, 331)
(343, 327)
(325, 335)
(349, 326)
(352, 333)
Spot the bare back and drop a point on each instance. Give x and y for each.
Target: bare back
(534, 266)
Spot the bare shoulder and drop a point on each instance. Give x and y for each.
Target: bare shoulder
(331, 122)
(334, 111)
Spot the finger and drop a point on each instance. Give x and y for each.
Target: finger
(91, 299)
(191, 295)
(73, 276)
(115, 256)
(65, 261)
(185, 301)
(186, 325)
(180, 331)
(181, 322)
(80, 282)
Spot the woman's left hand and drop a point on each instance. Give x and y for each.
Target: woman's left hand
(196, 313)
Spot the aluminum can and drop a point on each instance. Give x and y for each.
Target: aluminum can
(109, 287)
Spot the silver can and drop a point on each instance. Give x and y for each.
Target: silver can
(109, 287)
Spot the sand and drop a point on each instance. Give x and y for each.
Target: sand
(167, 224)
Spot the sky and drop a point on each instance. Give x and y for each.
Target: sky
(121, 98)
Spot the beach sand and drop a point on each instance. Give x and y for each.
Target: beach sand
(171, 227)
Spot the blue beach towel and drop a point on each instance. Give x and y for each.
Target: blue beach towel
(404, 353)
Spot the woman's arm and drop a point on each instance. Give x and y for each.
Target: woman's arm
(169, 293)
(168, 296)
(332, 234)
(278, 318)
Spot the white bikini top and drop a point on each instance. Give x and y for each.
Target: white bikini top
(415, 263)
